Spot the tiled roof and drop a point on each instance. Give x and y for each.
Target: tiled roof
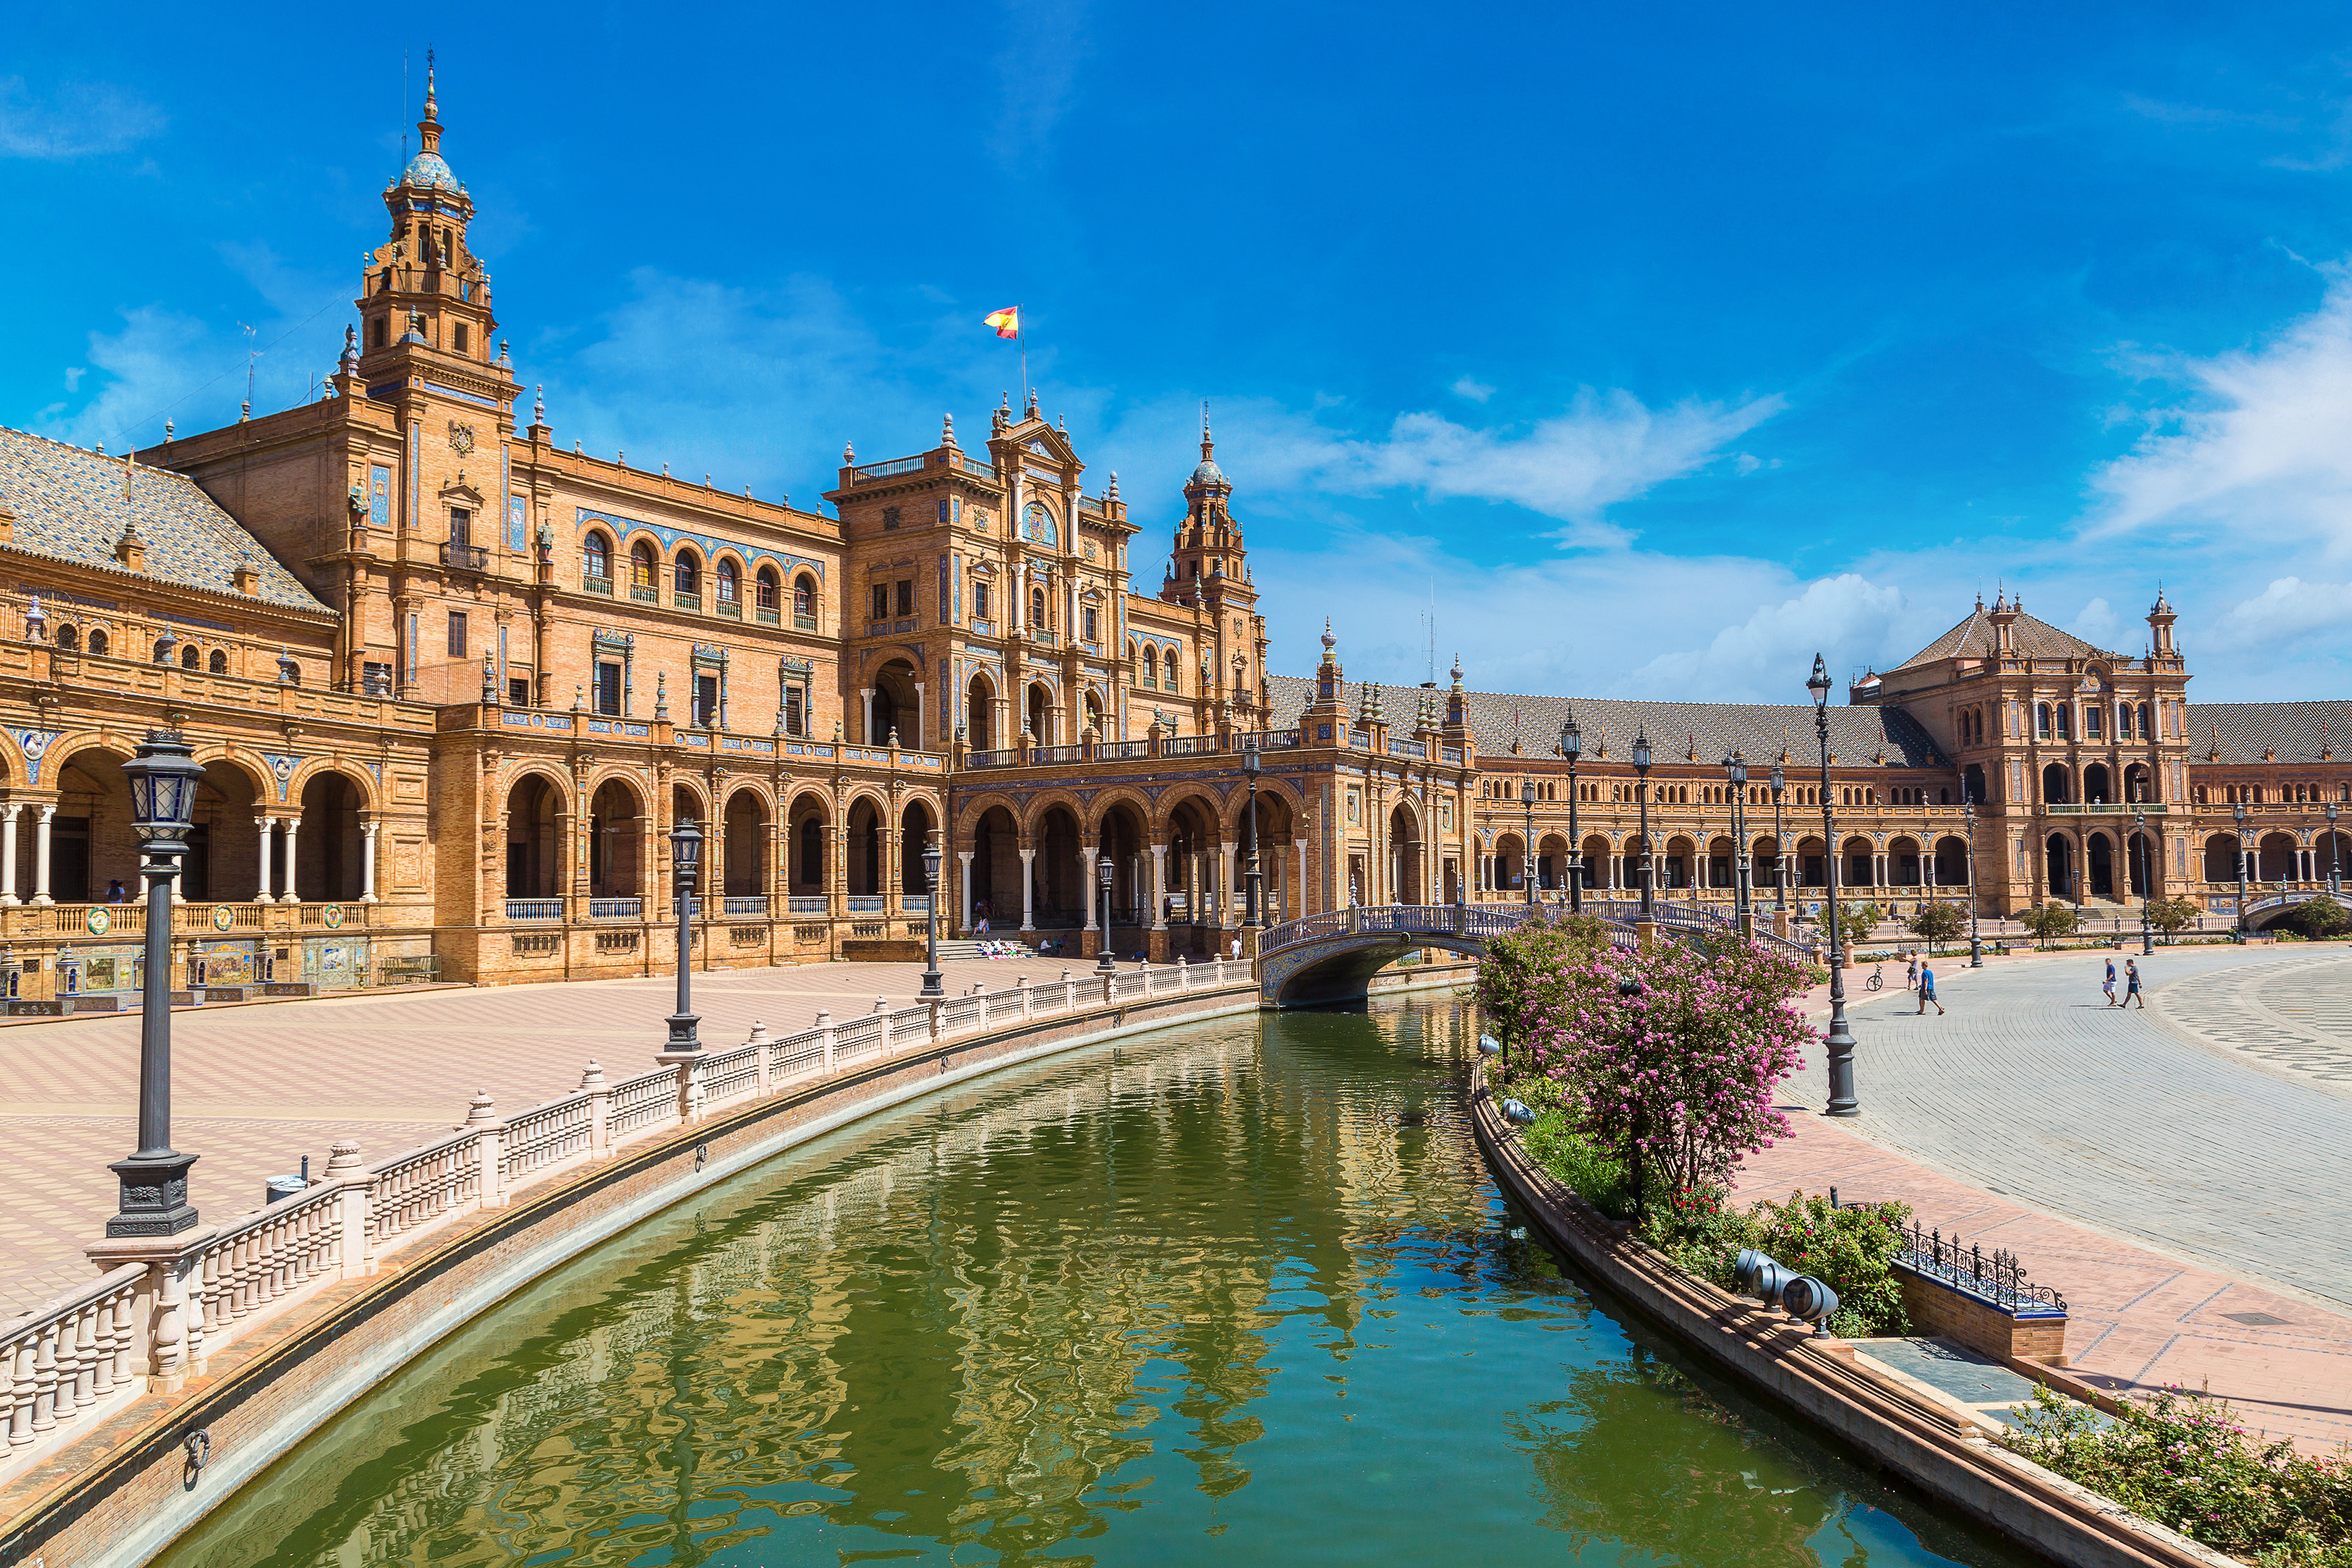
(2243, 730)
(1973, 638)
(1857, 735)
(70, 505)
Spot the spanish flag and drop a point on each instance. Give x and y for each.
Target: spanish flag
(1006, 321)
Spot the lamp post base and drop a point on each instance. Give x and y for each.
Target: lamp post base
(934, 985)
(683, 1039)
(154, 1200)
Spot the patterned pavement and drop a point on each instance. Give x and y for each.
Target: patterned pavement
(2173, 1171)
(257, 1087)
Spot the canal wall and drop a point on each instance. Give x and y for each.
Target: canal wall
(365, 1279)
(1934, 1447)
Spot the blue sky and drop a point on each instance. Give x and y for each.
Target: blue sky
(1657, 347)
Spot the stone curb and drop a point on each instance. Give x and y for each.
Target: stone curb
(119, 1493)
(1924, 1443)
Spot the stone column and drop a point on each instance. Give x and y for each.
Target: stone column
(41, 855)
(865, 725)
(1159, 887)
(367, 861)
(963, 921)
(293, 828)
(1224, 886)
(1028, 889)
(264, 827)
(1087, 870)
(8, 852)
(920, 740)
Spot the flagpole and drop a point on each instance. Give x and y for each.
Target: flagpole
(1020, 336)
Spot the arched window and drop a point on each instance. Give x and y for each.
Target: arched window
(689, 572)
(1152, 668)
(1173, 684)
(2146, 731)
(2042, 720)
(770, 588)
(163, 654)
(2065, 723)
(1037, 607)
(218, 663)
(69, 639)
(98, 644)
(728, 581)
(188, 656)
(979, 600)
(642, 567)
(597, 551)
(804, 602)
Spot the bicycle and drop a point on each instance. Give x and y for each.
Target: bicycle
(1877, 979)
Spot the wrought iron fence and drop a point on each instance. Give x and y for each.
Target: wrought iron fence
(1997, 1277)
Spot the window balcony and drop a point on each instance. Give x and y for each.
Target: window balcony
(644, 593)
(597, 586)
(767, 617)
(730, 607)
(464, 557)
(804, 623)
(686, 601)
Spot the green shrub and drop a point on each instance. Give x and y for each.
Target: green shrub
(2046, 922)
(2319, 920)
(1940, 922)
(2184, 1460)
(1853, 1248)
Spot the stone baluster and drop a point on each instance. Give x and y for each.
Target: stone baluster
(357, 1193)
(41, 855)
(483, 1120)
(263, 826)
(367, 861)
(293, 828)
(599, 1091)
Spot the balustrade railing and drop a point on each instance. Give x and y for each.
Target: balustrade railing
(991, 759)
(534, 908)
(616, 908)
(71, 1355)
(1997, 1277)
(743, 904)
(806, 904)
(868, 904)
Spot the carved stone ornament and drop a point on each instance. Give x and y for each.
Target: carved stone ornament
(461, 437)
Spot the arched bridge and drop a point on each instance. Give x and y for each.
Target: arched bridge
(1330, 957)
(2265, 912)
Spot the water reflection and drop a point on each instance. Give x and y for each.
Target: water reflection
(1233, 1290)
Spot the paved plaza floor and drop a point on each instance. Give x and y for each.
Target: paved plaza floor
(257, 1087)
(2175, 1172)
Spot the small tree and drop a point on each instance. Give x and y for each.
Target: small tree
(1520, 976)
(2320, 919)
(2171, 915)
(1938, 922)
(1670, 1057)
(1857, 921)
(2047, 922)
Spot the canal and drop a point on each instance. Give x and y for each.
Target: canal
(1241, 1291)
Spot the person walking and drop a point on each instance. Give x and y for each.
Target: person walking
(2131, 985)
(1928, 990)
(2108, 986)
(1911, 971)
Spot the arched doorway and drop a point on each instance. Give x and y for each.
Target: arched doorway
(896, 708)
(224, 859)
(865, 850)
(805, 846)
(1764, 867)
(995, 870)
(2059, 863)
(1124, 841)
(2095, 789)
(1060, 897)
(915, 825)
(2139, 863)
(979, 709)
(1510, 864)
(329, 848)
(2221, 857)
(1095, 714)
(2331, 856)
(1408, 877)
(1592, 861)
(1275, 831)
(744, 857)
(1681, 858)
(2053, 785)
(91, 844)
(2100, 855)
(1972, 782)
(534, 847)
(1951, 863)
(1812, 865)
(1037, 716)
(1858, 869)
(1905, 864)
(2274, 860)
(2139, 785)
(616, 840)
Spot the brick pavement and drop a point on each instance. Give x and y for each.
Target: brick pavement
(2162, 1180)
(255, 1088)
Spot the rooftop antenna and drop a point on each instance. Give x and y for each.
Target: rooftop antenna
(252, 352)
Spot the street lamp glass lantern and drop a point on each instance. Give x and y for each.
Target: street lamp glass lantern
(1735, 767)
(931, 863)
(1818, 684)
(1641, 751)
(163, 777)
(1250, 761)
(1106, 869)
(1527, 791)
(1571, 741)
(685, 844)
(1779, 779)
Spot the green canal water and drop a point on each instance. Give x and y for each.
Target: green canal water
(1238, 1292)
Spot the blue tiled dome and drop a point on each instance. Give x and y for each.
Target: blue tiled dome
(1208, 473)
(429, 170)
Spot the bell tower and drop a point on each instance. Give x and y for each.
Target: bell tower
(426, 297)
(1209, 548)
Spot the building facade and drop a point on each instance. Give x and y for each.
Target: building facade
(454, 683)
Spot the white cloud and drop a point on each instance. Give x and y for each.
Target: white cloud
(79, 119)
(1036, 76)
(2288, 608)
(2095, 623)
(1847, 619)
(2257, 449)
(1476, 391)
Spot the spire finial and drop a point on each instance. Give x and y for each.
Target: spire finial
(432, 107)
(539, 404)
(349, 363)
(1112, 493)
(947, 430)
(1208, 442)
(1330, 642)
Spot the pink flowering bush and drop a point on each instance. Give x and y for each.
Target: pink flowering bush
(1674, 1074)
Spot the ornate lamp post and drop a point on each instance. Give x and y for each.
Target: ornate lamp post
(1779, 843)
(1735, 768)
(154, 1179)
(2240, 814)
(1572, 746)
(933, 988)
(1642, 791)
(1250, 874)
(1106, 965)
(2147, 885)
(2334, 882)
(1840, 1040)
(686, 861)
(1976, 943)
(1527, 844)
